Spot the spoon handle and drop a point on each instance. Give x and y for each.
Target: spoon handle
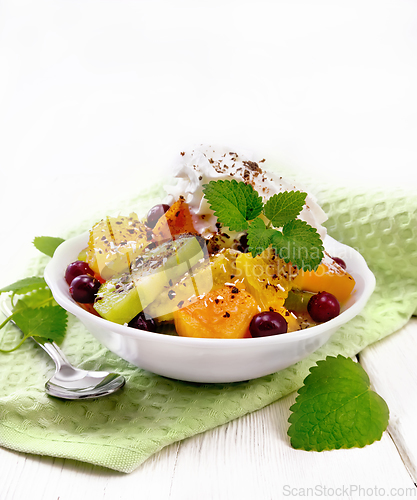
(53, 350)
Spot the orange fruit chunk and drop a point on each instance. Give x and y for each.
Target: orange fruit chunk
(176, 220)
(329, 277)
(224, 313)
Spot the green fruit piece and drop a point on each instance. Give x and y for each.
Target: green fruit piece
(297, 300)
(124, 296)
(118, 300)
(83, 255)
(198, 281)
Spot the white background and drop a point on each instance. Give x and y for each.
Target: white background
(98, 97)
(96, 100)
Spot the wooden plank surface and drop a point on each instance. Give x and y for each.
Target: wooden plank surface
(251, 456)
(392, 368)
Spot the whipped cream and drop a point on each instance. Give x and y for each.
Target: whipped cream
(205, 163)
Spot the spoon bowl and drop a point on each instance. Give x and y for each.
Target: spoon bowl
(69, 382)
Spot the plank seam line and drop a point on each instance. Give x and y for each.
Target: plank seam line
(403, 455)
(174, 469)
(400, 449)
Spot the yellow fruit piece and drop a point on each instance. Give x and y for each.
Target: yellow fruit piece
(174, 296)
(114, 243)
(329, 277)
(223, 267)
(223, 313)
(266, 277)
(207, 276)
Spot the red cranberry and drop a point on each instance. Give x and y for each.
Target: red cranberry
(143, 322)
(323, 307)
(340, 261)
(76, 269)
(155, 213)
(267, 323)
(84, 289)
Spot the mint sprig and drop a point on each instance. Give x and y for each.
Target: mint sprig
(299, 244)
(283, 207)
(240, 208)
(234, 202)
(336, 408)
(260, 236)
(48, 322)
(25, 285)
(36, 312)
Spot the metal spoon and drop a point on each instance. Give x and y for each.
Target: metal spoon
(69, 382)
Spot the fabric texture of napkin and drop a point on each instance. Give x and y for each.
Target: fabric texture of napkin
(122, 430)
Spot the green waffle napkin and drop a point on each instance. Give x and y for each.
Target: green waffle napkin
(123, 430)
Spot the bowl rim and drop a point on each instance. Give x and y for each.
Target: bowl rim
(54, 277)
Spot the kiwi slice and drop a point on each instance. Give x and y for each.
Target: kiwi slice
(183, 292)
(124, 296)
(201, 279)
(297, 300)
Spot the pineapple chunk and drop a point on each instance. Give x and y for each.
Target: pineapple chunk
(266, 277)
(114, 243)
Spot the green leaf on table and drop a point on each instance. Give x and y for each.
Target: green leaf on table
(300, 244)
(47, 244)
(283, 207)
(234, 203)
(336, 408)
(25, 285)
(36, 313)
(37, 298)
(48, 322)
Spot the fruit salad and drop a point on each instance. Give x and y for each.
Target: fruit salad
(232, 252)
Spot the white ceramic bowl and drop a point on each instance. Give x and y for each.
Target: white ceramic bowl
(209, 360)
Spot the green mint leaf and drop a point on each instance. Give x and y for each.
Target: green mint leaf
(300, 244)
(238, 206)
(283, 207)
(234, 203)
(37, 298)
(47, 244)
(336, 408)
(48, 322)
(259, 237)
(25, 285)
